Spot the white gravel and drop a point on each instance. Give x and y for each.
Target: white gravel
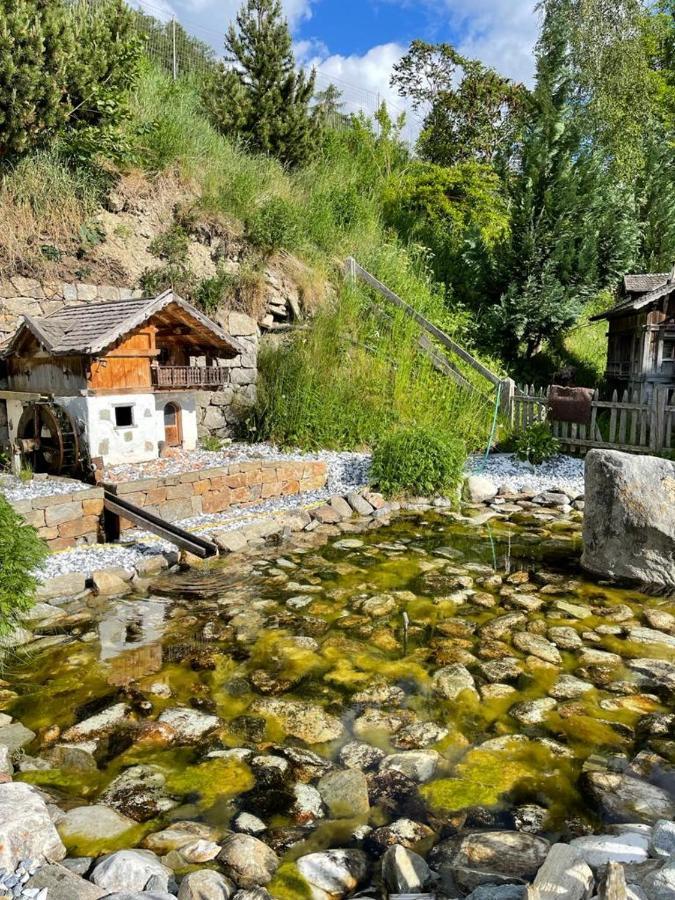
(197, 460)
(14, 489)
(346, 472)
(563, 472)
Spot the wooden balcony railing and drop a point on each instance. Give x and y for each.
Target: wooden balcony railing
(171, 377)
(619, 369)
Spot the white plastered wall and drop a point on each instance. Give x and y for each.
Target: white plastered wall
(117, 443)
(187, 403)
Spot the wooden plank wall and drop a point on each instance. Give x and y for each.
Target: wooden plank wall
(127, 366)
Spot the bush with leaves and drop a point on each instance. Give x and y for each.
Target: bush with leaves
(417, 461)
(21, 552)
(273, 225)
(536, 444)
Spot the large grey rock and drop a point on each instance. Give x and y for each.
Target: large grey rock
(93, 824)
(206, 885)
(16, 736)
(491, 857)
(621, 798)
(26, 828)
(62, 884)
(131, 870)
(564, 875)
(661, 885)
(662, 839)
(629, 526)
(333, 873)
(247, 860)
(598, 850)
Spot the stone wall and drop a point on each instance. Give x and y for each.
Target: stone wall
(26, 296)
(219, 411)
(176, 497)
(65, 520)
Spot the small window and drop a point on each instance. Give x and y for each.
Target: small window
(669, 350)
(124, 416)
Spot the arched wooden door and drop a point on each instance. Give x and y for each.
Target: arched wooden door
(173, 432)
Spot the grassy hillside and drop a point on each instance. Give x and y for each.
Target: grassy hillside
(355, 372)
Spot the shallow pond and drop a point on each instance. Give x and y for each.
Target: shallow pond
(485, 644)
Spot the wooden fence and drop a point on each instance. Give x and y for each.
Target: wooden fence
(633, 422)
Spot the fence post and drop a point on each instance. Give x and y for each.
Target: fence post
(507, 394)
(351, 269)
(657, 437)
(173, 42)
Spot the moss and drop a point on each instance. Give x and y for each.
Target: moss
(83, 784)
(288, 884)
(212, 781)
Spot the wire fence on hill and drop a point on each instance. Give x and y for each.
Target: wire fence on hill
(187, 49)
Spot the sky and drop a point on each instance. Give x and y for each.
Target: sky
(355, 43)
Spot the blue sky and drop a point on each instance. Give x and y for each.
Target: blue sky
(355, 43)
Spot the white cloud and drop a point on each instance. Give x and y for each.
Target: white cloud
(225, 10)
(501, 33)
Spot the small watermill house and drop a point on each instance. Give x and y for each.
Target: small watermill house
(641, 335)
(111, 382)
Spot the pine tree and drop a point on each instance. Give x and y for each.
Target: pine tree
(258, 95)
(35, 48)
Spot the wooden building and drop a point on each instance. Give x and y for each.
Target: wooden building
(641, 335)
(114, 381)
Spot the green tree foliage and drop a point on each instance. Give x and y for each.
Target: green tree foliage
(471, 112)
(66, 69)
(101, 75)
(452, 210)
(258, 95)
(21, 552)
(35, 52)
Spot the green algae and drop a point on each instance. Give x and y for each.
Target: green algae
(75, 783)
(289, 884)
(82, 845)
(211, 781)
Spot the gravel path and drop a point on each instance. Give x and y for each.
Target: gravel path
(14, 489)
(564, 472)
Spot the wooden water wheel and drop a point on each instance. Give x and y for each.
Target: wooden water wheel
(49, 439)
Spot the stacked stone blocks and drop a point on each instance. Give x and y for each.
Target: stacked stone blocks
(208, 491)
(65, 520)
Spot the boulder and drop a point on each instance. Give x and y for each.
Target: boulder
(451, 681)
(190, 725)
(537, 646)
(622, 798)
(131, 870)
(360, 755)
(490, 857)
(333, 873)
(345, 794)
(139, 793)
(662, 840)
(94, 824)
(206, 885)
(177, 835)
(247, 861)
(306, 721)
(419, 765)
(479, 489)
(26, 828)
(403, 871)
(61, 884)
(16, 736)
(98, 725)
(405, 832)
(629, 527)
(661, 884)
(564, 875)
(598, 850)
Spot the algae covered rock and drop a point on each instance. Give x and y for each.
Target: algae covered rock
(306, 721)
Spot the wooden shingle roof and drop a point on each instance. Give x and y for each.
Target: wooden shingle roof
(636, 302)
(92, 328)
(643, 284)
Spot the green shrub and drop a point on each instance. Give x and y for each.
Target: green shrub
(21, 552)
(172, 245)
(536, 444)
(417, 461)
(274, 225)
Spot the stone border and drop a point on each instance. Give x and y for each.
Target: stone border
(64, 520)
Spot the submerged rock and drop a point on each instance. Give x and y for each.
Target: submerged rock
(404, 871)
(360, 755)
(306, 721)
(139, 793)
(452, 681)
(190, 725)
(419, 765)
(405, 832)
(622, 798)
(345, 793)
(334, 873)
(247, 861)
(93, 824)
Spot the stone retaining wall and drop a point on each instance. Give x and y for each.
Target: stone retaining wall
(189, 494)
(65, 520)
